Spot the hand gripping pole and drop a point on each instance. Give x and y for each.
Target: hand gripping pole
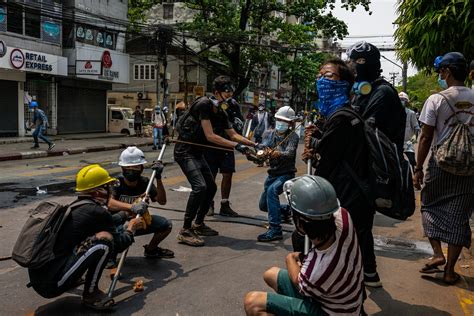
(124, 254)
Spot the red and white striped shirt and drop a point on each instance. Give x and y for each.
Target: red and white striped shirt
(333, 277)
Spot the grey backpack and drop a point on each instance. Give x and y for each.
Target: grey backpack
(35, 244)
(456, 154)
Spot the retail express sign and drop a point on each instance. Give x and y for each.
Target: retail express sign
(31, 61)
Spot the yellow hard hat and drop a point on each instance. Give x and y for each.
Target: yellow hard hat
(92, 176)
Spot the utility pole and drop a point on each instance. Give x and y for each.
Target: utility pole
(185, 70)
(393, 76)
(158, 66)
(404, 76)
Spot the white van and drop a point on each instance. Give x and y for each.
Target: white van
(121, 120)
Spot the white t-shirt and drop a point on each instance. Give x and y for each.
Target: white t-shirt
(412, 128)
(436, 112)
(159, 120)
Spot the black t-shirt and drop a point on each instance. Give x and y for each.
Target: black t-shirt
(235, 117)
(128, 194)
(204, 109)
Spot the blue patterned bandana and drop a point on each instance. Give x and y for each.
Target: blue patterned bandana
(333, 94)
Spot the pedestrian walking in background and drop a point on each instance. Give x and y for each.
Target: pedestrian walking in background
(447, 199)
(159, 123)
(261, 122)
(138, 121)
(40, 121)
(412, 130)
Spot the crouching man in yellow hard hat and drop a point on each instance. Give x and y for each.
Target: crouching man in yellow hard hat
(127, 201)
(85, 240)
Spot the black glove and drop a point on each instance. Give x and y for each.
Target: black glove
(139, 208)
(242, 149)
(260, 147)
(157, 166)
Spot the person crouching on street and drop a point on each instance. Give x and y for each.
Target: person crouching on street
(317, 283)
(126, 201)
(196, 130)
(280, 144)
(84, 242)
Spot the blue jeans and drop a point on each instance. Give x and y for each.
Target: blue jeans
(157, 136)
(269, 201)
(38, 133)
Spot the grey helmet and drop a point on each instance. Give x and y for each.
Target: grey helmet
(312, 197)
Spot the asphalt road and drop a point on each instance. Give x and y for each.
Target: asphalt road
(211, 280)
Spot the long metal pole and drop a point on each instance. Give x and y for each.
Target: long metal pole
(124, 254)
(307, 242)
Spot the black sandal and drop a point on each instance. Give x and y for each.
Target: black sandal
(99, 303)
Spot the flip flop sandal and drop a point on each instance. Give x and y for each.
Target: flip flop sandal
(431, 269)
(102, 304)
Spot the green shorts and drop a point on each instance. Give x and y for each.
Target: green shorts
(288, 301)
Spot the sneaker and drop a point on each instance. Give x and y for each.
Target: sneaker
(372, 280)
(270, 235)
(158, 252)
(211, 210)
(51, 146)
(204, 230)
(35, 147)
(226, 210)
(188, 237)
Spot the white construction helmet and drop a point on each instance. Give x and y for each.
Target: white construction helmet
(132, 156)
(403, 96)
(285, 113)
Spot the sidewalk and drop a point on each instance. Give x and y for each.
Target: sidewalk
(17, 148)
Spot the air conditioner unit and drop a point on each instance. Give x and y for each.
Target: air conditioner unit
(142, 95)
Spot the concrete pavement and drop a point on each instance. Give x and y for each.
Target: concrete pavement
(214, 279)
(20, 148)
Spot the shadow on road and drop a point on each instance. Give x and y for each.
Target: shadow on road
(390, 306)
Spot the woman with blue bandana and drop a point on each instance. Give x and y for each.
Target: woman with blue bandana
(339, 149)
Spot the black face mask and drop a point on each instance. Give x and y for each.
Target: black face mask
(132, 175)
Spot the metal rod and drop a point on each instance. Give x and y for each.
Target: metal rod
(124, 254)
(307, 242)
(200, 145)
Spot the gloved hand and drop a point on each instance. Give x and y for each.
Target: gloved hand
(157, 166)
(139, 208)
(260, 147)
(242, 149)
(275, 154)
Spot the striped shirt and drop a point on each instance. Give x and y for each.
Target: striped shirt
(333, 277)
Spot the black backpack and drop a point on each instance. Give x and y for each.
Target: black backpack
(389, 188)
(35, 244)
(188, 126)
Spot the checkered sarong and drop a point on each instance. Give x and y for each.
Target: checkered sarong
(447, 203)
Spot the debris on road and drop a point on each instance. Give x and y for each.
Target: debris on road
(40, 191)
(181, 189)
(138, 286)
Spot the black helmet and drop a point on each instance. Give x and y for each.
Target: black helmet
(223, 84)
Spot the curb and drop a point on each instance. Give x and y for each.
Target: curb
(27, 139)
(65, 152)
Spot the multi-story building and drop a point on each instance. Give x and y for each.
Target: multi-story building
(64, 54)
(31, 61)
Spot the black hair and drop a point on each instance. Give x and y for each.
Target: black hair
(317, 229)
(222, 83)
(345, 73)
(459, 71)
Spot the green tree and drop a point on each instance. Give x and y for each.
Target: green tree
(429, 28)
(247, 34)
(137, 10)
(420, 87)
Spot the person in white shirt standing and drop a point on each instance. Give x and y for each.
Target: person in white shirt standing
(329, 279)
(447, 198)
(412, 130)
(159, 122)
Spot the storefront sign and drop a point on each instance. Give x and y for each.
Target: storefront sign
(89, 67)
(31, 61)
(114, 65)
(3, 49)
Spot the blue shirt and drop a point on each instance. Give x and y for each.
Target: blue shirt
(41, 117)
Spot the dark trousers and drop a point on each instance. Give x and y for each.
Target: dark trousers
(91, 256)
(411, 158)
(203, 188)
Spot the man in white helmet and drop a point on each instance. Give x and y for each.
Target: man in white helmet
(412, 130)
(328, 280)
(280, 146)
(126, 200)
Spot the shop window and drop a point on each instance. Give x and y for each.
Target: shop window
(117, 115)
(14, 17)
(168, 11)
(144, 72)
(32, 22)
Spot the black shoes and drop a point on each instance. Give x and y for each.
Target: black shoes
(226, 210)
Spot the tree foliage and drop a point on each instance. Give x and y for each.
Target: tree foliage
(248, 34)
(429, 28)
(420, 87)
(136, 11)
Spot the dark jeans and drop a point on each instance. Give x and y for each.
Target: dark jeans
(203, 188)
(269, 200)
(38, 133)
